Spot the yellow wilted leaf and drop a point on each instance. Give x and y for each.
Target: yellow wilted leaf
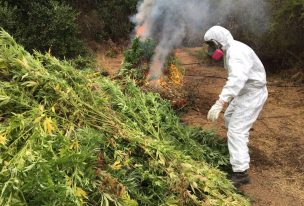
(23, 62)
(116, 165)
(128, 201)
(172, 175)
(75, 145)
(41, 108)
(2, 139)
(4, 98)
(30, 84)
(161, 159)
(57, 88)
(68, 91)
(53, 109)
(186, 166)
(24, 76)
(126, 162)
(194, 185)
(38, 119)
(48, 125)
(80, 193)
(68, 181)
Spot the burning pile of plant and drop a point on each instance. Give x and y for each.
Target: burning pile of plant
(70, 137)
(167, 80)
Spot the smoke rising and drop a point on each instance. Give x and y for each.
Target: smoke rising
(176, 23)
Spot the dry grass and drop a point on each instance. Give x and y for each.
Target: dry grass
(293, 185)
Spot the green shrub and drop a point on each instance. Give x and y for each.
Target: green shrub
(43, 26)
(84, 62)
(116, 17)
(136, 60)
(286, 34)
(102, 20)
(8, 16)
(278, 40)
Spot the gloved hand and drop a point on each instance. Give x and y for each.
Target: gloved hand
(215, 110)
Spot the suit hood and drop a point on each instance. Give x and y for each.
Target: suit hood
(219, 34)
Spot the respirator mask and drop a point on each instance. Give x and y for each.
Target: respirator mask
(214, 50)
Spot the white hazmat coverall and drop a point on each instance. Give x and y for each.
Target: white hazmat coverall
(246, 85)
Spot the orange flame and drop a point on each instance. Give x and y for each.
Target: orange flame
(158, 83)
(140, 31)
(175, 75)
(158, 80)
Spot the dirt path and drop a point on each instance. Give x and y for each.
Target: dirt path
(277, 139)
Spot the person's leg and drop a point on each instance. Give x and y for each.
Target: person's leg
(246, 112)
(228, 113)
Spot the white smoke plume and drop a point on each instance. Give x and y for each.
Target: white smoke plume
(173, 23)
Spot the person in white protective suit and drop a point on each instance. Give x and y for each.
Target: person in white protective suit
(245, 91)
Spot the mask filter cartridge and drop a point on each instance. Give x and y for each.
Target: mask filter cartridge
(217, 55)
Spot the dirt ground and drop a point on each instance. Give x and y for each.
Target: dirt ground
(276, 140)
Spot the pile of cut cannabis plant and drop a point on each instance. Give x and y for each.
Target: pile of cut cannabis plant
(72, 137)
